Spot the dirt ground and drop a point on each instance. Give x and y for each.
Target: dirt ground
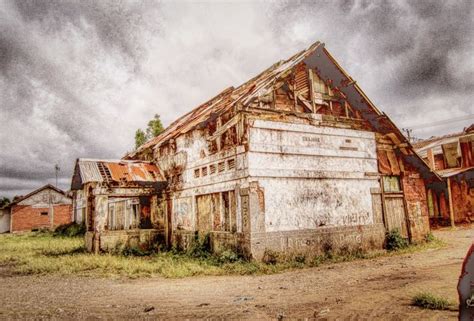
(378, 289)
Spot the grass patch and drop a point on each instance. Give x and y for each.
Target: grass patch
(427, 300)
(44, 253)
(70, 230)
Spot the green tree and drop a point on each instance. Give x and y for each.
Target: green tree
(140, 138)
(155, 127)
(4, 201)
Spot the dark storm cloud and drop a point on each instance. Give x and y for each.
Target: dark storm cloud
(77, 78)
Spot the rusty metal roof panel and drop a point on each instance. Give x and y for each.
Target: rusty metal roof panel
(134, 172)
(100, 170)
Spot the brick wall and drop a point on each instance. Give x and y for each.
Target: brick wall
(27, 218)
(463, 201)
(416, 202)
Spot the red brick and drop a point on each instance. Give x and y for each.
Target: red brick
(27, 218)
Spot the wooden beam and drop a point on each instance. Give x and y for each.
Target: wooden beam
(304, 103)
(223, 128)
(311, 89)
(451, 207)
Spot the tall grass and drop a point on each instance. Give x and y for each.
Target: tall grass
(41, 253)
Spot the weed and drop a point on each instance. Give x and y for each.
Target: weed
(427, 300)
(228, 256)
(430, 237)
(200, 246)
(394, 241)
(70, 230)
(270, 257)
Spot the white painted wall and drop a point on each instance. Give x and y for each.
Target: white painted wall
(45, 198)
(313, 176)
(80, 204)
(4, 220)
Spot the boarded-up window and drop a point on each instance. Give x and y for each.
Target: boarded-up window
(391, 184)
(123, 215)
(217, 212)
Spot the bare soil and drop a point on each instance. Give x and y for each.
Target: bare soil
(377, 289)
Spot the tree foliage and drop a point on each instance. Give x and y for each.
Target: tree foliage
(4, 201)
(154, 128)
(140, 138)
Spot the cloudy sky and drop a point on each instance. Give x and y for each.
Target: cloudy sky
(77, 78)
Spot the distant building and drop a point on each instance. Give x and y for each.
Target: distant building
(45, 208)
(452, 156)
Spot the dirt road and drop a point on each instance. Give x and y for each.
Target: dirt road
(378, 289)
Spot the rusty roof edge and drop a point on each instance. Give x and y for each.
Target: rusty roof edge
(175, 125)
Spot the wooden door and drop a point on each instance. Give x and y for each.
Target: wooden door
(204, 215)
(395, 214)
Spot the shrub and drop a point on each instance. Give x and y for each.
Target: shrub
(228, 256)
(70, 230)
(430, 237)
(135, 251)
(394, 241)
(270, 257)
(200, 246)
(428, 300)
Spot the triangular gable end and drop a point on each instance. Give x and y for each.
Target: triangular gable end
(331, 72)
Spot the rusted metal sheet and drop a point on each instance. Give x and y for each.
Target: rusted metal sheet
(119, 171)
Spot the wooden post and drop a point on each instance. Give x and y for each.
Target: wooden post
(311, 89)
(451, 207)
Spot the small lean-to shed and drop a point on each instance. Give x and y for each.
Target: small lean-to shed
(117, 200)
(44, 208)
(297, 159)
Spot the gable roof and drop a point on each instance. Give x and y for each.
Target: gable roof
(315, 57)
(229, 98)
(36, 191)
(114, 171)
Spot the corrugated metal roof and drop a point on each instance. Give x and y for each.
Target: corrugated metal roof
(98, 170)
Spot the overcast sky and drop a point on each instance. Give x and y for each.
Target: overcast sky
(77, 78)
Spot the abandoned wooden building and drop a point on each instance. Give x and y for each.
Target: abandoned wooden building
(296, 159)
(117, 200)
(44, 208)
(452, 156)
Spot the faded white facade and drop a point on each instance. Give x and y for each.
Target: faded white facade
(5, 220)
